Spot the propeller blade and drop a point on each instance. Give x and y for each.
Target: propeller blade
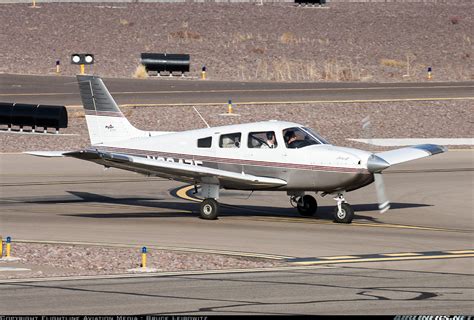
(384, 203)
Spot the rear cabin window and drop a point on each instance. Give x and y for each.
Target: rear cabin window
(230, 140)
(262, 140)
(205, 142)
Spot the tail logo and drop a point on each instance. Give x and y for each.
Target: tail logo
(110, 127)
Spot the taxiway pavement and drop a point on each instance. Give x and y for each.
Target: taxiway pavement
(64, 91)
(69, 200)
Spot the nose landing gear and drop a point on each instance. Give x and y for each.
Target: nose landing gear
(344, 212)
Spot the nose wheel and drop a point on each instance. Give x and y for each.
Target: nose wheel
(344, 212)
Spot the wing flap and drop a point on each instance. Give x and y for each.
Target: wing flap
(411, 153)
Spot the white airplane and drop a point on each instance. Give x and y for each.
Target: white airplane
(269, 155)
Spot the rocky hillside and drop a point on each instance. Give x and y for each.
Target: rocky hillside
(343, 42)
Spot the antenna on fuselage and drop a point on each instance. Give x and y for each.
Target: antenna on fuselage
(201, 117)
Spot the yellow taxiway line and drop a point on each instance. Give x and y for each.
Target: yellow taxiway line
(399, 258)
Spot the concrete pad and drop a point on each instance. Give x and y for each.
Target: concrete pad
(143, 270)
(414, 141)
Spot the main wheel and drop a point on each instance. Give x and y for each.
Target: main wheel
(308, 207)
(346, 215)
(209, 209)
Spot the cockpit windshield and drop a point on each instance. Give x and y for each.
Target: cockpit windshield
(317, 136)
(297, 137)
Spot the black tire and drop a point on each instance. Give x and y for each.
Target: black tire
(309, 207)
(346, 215)
(209, 209)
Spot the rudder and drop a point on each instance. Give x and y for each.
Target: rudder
(105, 122)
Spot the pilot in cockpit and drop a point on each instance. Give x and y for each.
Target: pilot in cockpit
(290, 138)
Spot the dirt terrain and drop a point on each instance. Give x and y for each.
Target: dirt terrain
(59, 260)
(342, 42)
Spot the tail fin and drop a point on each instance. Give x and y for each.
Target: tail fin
(105, 122)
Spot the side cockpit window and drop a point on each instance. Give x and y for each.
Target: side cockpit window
(205, 142)
(230, 140)
(262, 140)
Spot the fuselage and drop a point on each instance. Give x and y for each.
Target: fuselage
(318, 166)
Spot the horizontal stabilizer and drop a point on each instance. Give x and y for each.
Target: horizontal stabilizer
(47, 154)
(410, 153)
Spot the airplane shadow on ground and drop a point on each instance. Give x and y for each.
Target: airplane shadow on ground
(183, 209)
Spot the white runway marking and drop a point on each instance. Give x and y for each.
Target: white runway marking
(395, 142)
(10, 269)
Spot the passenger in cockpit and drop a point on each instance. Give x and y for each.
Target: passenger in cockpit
(271, 142)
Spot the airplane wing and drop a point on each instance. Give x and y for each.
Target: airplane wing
(177, 171)
(410, 153)
(47, 154)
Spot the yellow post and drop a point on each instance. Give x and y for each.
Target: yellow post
(1, 247)
(82, 68)
(429, 73)
(144, 257)
(229, 107)
(203, 73)
(58, 69)
(9, 240)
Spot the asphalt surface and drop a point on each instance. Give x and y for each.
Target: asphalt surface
(64, 91)
(348, 289)
(68, 200)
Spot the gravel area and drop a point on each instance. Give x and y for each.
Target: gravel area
(52, 260)
(335, 121)
(244, 41)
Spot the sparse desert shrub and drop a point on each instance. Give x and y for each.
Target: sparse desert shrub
(258, 50)
(288, 37)
(79, 113)
(454, 20)
(140, 72)
(242, 37)
(185, 35)
(392, 63)
(125, 23)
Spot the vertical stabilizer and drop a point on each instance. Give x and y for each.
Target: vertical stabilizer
(105, 122)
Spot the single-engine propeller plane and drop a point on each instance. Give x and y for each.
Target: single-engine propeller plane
(269, 155)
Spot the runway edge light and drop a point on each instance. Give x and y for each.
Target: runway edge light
(144, 251)
(9, 240)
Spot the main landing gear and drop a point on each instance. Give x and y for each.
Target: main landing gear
(209, 209)
(209, 206)
(307, 207)
(305, 204)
